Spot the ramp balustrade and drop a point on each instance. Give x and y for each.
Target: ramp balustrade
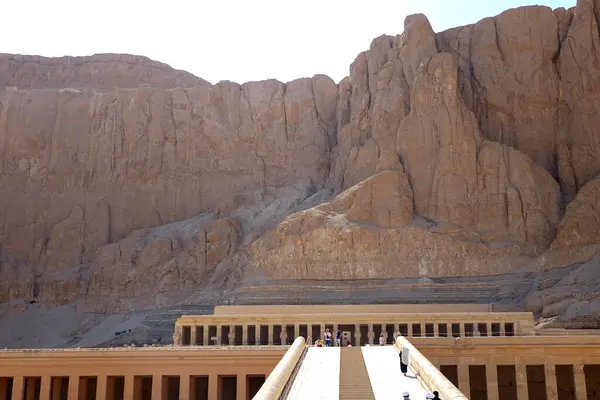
(275, 384)
(427, 373)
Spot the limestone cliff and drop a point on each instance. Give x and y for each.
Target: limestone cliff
(127, 184)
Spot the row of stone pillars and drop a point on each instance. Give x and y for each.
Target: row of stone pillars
(360, 334)
(522, 382)
(131, 387)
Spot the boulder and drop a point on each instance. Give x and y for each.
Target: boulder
(580, 226)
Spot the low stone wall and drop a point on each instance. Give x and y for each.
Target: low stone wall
(429, 376)
(275, 383)
(352, 309)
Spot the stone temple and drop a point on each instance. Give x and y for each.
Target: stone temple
(165, 238)
(268, 352)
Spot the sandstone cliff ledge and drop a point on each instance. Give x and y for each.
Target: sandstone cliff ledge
(473, 152)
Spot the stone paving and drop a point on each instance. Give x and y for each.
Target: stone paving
(319, 375)
(388, 383)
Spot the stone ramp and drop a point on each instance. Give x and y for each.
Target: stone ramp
(354, 379)
(318, 376)
(383, 366)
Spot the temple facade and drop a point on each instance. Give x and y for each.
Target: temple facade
(361, 325)
(229, 355)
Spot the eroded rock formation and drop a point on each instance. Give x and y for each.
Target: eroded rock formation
(475, 151)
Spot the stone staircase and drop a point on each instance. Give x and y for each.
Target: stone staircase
(354, 378)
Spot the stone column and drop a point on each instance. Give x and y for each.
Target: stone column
(502, 330)
(184, 387)
(309, 333)
(213, 386)
(283, 335)
(245, 335)
(219, 333)
(157, 388)
(357, 334)
(44, 388)
(436, 329)
(257, 333)
(74, 388)
(101, 388)
(551, 389)
(193, 340)
(128, 390)
(205, 337)
(491, 375)
(231, 336)
(241, 387)
(488, 326)
(463, 379)
(17, 389)
(580, 388)
(409, 328)
(333, 333)
(462, 329)
(384, 331)
(423, 333)
(322, 332)
(177, 335)
(371, 334)
(521, 374)
(270, 338)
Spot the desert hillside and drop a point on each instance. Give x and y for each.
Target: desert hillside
(457, 166)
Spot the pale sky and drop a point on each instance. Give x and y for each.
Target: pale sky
(237, 40)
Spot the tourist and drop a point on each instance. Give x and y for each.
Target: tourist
(381, 340)
(338, 337)
(429, 396)
(404, 360)
(406, 396)
(348, 344)
(327, 337)
(436, 395)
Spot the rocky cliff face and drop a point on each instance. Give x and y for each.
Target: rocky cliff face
(101, 72)
(126, 184)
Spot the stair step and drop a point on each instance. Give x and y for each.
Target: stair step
(354, 378)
